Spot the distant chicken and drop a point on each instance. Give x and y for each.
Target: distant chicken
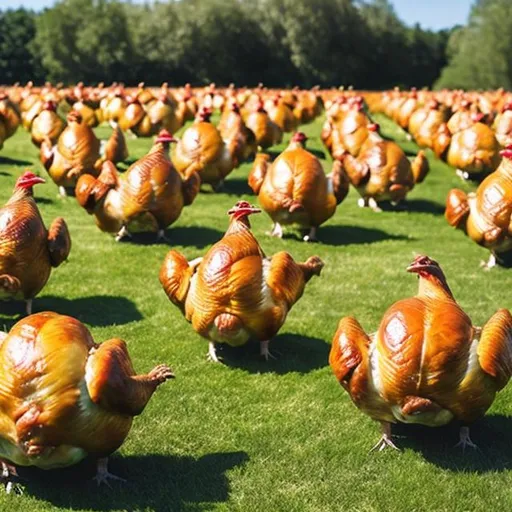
(9, 118)
(295, 190)
(350, 132)
(426, 363)
(235, 293)
(267, 133)
(77, 152)
(503, 125)
(201, 150)
(281, 114)
(64, 397)
(136, 120)
(428, 128)
(382, 171)
(114, 148)
(486, 216)
(28, 250)
(149, 196)
(47, 125)
(232, 127)
(474, 151)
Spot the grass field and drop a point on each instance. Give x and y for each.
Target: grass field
(282, 435)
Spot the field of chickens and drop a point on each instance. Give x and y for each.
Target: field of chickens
(157, 251)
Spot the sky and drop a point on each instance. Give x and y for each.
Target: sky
(430, 14)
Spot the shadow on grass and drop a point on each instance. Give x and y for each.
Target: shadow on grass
(154, 482)
(492, 435)
(97, 310)
(348, 235)
(5, 160)
(44, 200)
(414, 206)
(237, 187)
(190, 236)
(293, 353)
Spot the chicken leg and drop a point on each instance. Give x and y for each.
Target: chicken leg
(490, 263)
(277, 230)
(385, 440)
(212, 353)
(264, 350)
(465, 440)
(9, 471)
(311, 236)
(102, 474)
(123, 232)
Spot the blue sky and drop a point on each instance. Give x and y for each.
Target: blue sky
(433, 14)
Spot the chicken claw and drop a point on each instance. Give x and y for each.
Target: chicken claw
(465, 440)
(277, 230)
(373, 205)
(311, 236)
(9, 471)
(490, 263)
(385, 440)
(264, 350)
(161, 236)
(212, 353)
(123, 232)
(102, 474)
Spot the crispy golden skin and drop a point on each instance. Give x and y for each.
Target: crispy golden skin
(62, 396)
(235, 293)
(426, 363)
(486, 216)
(294, 188)
(27, 250)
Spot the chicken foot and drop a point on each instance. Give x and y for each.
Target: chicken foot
(264, 350)
(103, 475)
(212, 353)
(161, 236)
(385, 440)
(311, 236)
(491, 262)
(28, 302)
(63, 192)
(123, 232)
(465, 440)
(463, 175)
(277, 230)
(363, 202)
(9, 471)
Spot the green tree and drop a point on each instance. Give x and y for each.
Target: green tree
(479, 54)
(17, 64)
(84, 40)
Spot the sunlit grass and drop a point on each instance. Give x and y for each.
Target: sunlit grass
(277, 436)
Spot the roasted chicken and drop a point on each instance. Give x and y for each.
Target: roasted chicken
(486, 215)
(64, 397)
(47, 125)
(295, 190)
(201, 150)
(77, 152)
(426, 363)
(235, 293)
(28, 251)
(382, 171)
(148, 197)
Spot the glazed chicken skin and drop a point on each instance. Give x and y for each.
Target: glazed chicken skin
(486, 215)
(503, 125)
(201, 150)
(295, 190)
(474, 151)
(149, 196)
(63, 397)
(77, 152)
(232, 128)
(48, 125)
(28, 251)
(235, 293)
(382, 171)
(267, 133)
(426, 363)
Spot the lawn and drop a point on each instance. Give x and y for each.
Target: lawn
(282, 435)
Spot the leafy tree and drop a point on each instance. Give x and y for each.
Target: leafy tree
(84, 40)
(17, 64)
(480, 52)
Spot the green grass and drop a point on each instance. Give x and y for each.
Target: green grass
(277, 436)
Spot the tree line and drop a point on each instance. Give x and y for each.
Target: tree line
(278, 42)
